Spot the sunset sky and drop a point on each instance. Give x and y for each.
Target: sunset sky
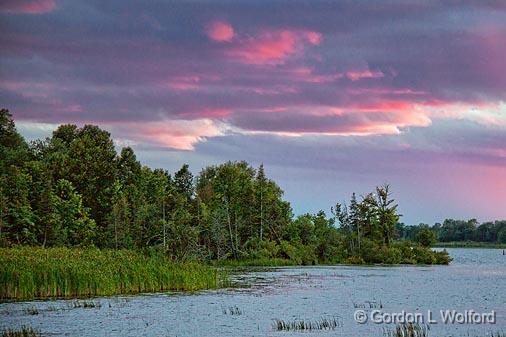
(332, 96)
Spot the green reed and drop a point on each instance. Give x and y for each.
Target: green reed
(34, 272)
(24, 331)
(408, 330)
(307, 325)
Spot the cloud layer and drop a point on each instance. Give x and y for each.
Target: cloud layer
(423, 80)
(27, 6)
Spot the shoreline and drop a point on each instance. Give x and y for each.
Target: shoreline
(469, 244)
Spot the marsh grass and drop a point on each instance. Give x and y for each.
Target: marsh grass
(261, 262)
(52, 308)
(233, 311)
(24, 331)
(417, 330)
(469, 244)
(85, 304)
(34, 272)
(31, 311)
(408, 330)
(307, 325)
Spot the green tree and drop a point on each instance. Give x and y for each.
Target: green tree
(16, 215)
(20, 225)
(3, 211)
(426, 237)
(183, 180)
(327, 238)
(240, 204)
(260, 184)
(86, 157)
(14, 150)
(501, 237)
(70, 218)
(387, 213)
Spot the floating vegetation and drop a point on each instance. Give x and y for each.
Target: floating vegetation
(307, 325)
(233, 311)
(85, 304)
(34, 272)
(490, 334)
(408, 330)
(368, 305)
(24, 331)
(416, 330)
(31, 311)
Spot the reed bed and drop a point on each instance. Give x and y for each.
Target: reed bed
(417, 330)
(31, 311)
(233, 311)
(409, 330)
(34, 272)
(24, 331)
(85, 304)
(307, 325)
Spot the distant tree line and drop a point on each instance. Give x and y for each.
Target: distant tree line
(455, 231)
(74, 189)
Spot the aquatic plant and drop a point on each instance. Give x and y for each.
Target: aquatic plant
(31, 311)
(85, 304)
(233, 311)
(307, 325)
(24, 331)
(52, 308)
(408, 330)
(34, 272)
(263, 262)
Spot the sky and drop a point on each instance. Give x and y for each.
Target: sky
(333, 97)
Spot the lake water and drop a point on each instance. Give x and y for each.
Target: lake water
(475, 280)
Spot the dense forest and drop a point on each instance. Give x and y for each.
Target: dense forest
(74, 189)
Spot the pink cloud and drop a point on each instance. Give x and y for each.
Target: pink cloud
(174, 134)
(314, 38)
(307, 74)
(206, 113)
(220, 31)
(492, 114)
(27, 6)
(272, 47)
(184, 83)
(364, 74)
(485, 113)
(385, 118)
(387, 91)
(385, 106)
(274, 90)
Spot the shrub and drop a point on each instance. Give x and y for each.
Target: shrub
(426, 237)
(355, 260)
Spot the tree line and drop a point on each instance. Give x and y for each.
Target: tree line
(452, 230)
(74, 189)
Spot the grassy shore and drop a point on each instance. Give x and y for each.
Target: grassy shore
(32, 272)
(261, 262)
(470, 244)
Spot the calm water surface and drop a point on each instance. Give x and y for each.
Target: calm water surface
(475, 280)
